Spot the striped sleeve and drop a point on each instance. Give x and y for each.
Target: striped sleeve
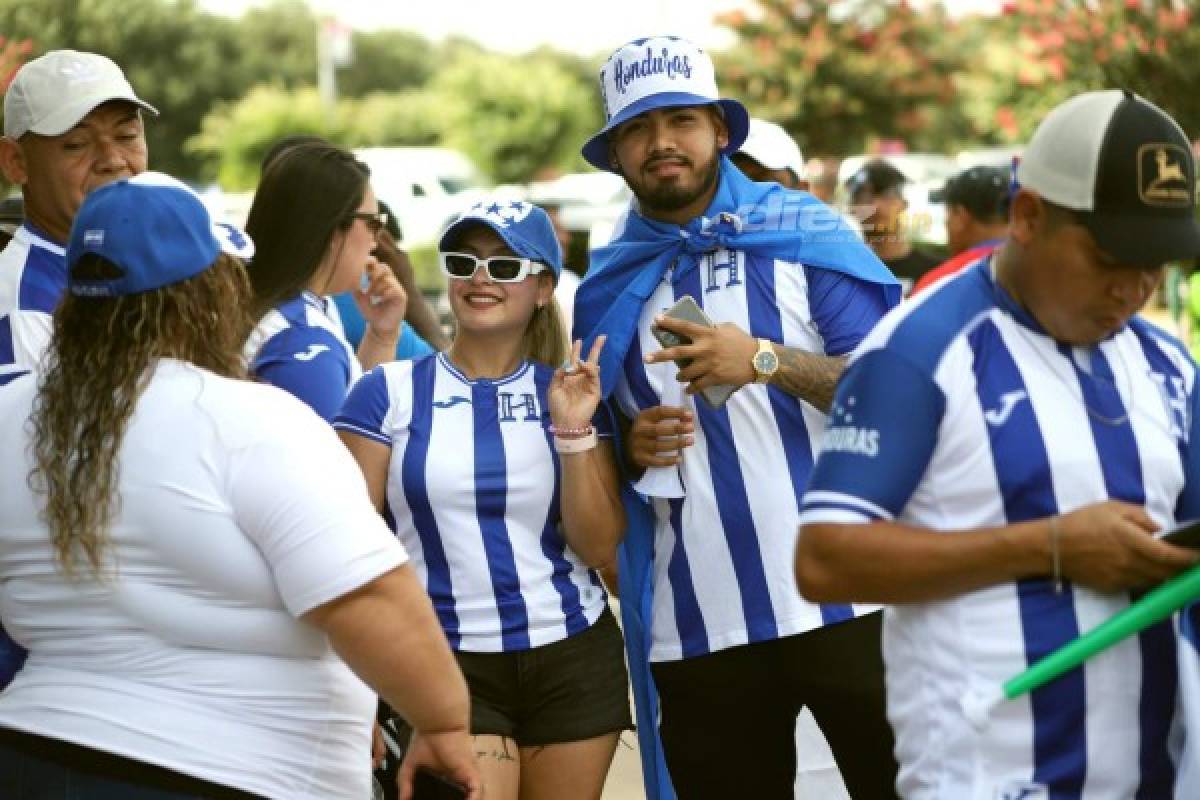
(366, 408)
(872, 458)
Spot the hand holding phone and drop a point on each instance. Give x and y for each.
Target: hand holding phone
(688, 310)
(429, 785)
(1186, 534)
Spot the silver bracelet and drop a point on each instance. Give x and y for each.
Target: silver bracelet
(1055, 556)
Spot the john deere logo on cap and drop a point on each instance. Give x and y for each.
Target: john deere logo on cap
(1163, 178)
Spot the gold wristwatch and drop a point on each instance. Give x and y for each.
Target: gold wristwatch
(765, 361)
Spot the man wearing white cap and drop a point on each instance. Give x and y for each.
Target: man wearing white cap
(72, 123)
(771, 154)
(707, 591)
(1029, 435)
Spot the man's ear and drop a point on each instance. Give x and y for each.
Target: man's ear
(722, 128)
(12, 161)
(1026, 215)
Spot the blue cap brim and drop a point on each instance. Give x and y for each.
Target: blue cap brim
(737, 122)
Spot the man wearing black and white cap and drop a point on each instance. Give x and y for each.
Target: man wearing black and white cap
(1030, 434)
(976, 219)
(734, 651)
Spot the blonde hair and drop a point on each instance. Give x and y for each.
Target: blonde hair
(97, 366)
(545, 337)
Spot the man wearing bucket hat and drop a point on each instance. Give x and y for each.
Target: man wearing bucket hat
(72, 123)
(1028, 435)
(707, 594)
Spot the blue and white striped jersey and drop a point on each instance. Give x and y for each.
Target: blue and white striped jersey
(473, 494)
(959, 413)
(33, 279)
(1187, 782)
(299, 346)
(723, 551)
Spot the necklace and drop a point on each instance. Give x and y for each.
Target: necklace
(1075, 388)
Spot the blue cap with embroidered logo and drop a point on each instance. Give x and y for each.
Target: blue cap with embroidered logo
(524, 227)
(154, 230)
(660, 72)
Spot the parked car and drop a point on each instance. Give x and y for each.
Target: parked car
(424, 186)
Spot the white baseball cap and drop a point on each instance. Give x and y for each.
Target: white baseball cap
(51, 94)
(772, 147)
(1125, 170)
(659, 72)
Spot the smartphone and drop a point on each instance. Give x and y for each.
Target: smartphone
(428, 785)
(1186, 534)
(689, 310)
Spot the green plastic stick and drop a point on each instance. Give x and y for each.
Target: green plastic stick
(1153, 607)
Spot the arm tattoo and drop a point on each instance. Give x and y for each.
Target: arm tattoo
(809, 376)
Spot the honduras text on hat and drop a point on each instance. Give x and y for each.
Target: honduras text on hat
(154, 230)
(659, 72)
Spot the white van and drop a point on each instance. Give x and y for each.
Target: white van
(424, 186)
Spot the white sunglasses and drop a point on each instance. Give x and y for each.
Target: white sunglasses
(501, 269)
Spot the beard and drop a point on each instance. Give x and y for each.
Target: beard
(672, 195)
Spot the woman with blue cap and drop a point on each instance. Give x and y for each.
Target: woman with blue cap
(186, 554)
(486, 461)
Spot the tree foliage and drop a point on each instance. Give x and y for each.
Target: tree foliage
(1151, 47)
(840, 74)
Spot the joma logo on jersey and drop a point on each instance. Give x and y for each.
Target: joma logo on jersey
(1175, 402)
(721, 261)
(524, 403)
(1023, 790)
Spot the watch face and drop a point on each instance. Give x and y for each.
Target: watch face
(766, 361)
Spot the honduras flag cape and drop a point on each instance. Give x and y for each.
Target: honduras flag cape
(759, 218)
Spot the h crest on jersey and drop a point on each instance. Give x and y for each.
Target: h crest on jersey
(1174, 396)
(719, 261)
(525, 404)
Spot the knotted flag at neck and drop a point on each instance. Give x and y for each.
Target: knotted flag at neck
(762, 219)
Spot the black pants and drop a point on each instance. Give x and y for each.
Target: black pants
(729, 718)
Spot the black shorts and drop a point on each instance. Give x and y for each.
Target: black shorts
(566, 691)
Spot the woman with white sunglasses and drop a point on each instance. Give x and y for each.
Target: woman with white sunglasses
(486, 462)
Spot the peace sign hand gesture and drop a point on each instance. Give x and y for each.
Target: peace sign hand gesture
(575, 389)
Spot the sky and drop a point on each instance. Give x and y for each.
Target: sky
(517, 26)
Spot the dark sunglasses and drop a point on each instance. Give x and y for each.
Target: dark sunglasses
(501, 269)
(375, 220)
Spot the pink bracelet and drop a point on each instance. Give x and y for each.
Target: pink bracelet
(570, 433)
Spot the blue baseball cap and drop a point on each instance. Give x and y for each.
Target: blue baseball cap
(524, 227)
(155, 229)
(660, 72)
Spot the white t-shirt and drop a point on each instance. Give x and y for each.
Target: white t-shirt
(240, 511)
